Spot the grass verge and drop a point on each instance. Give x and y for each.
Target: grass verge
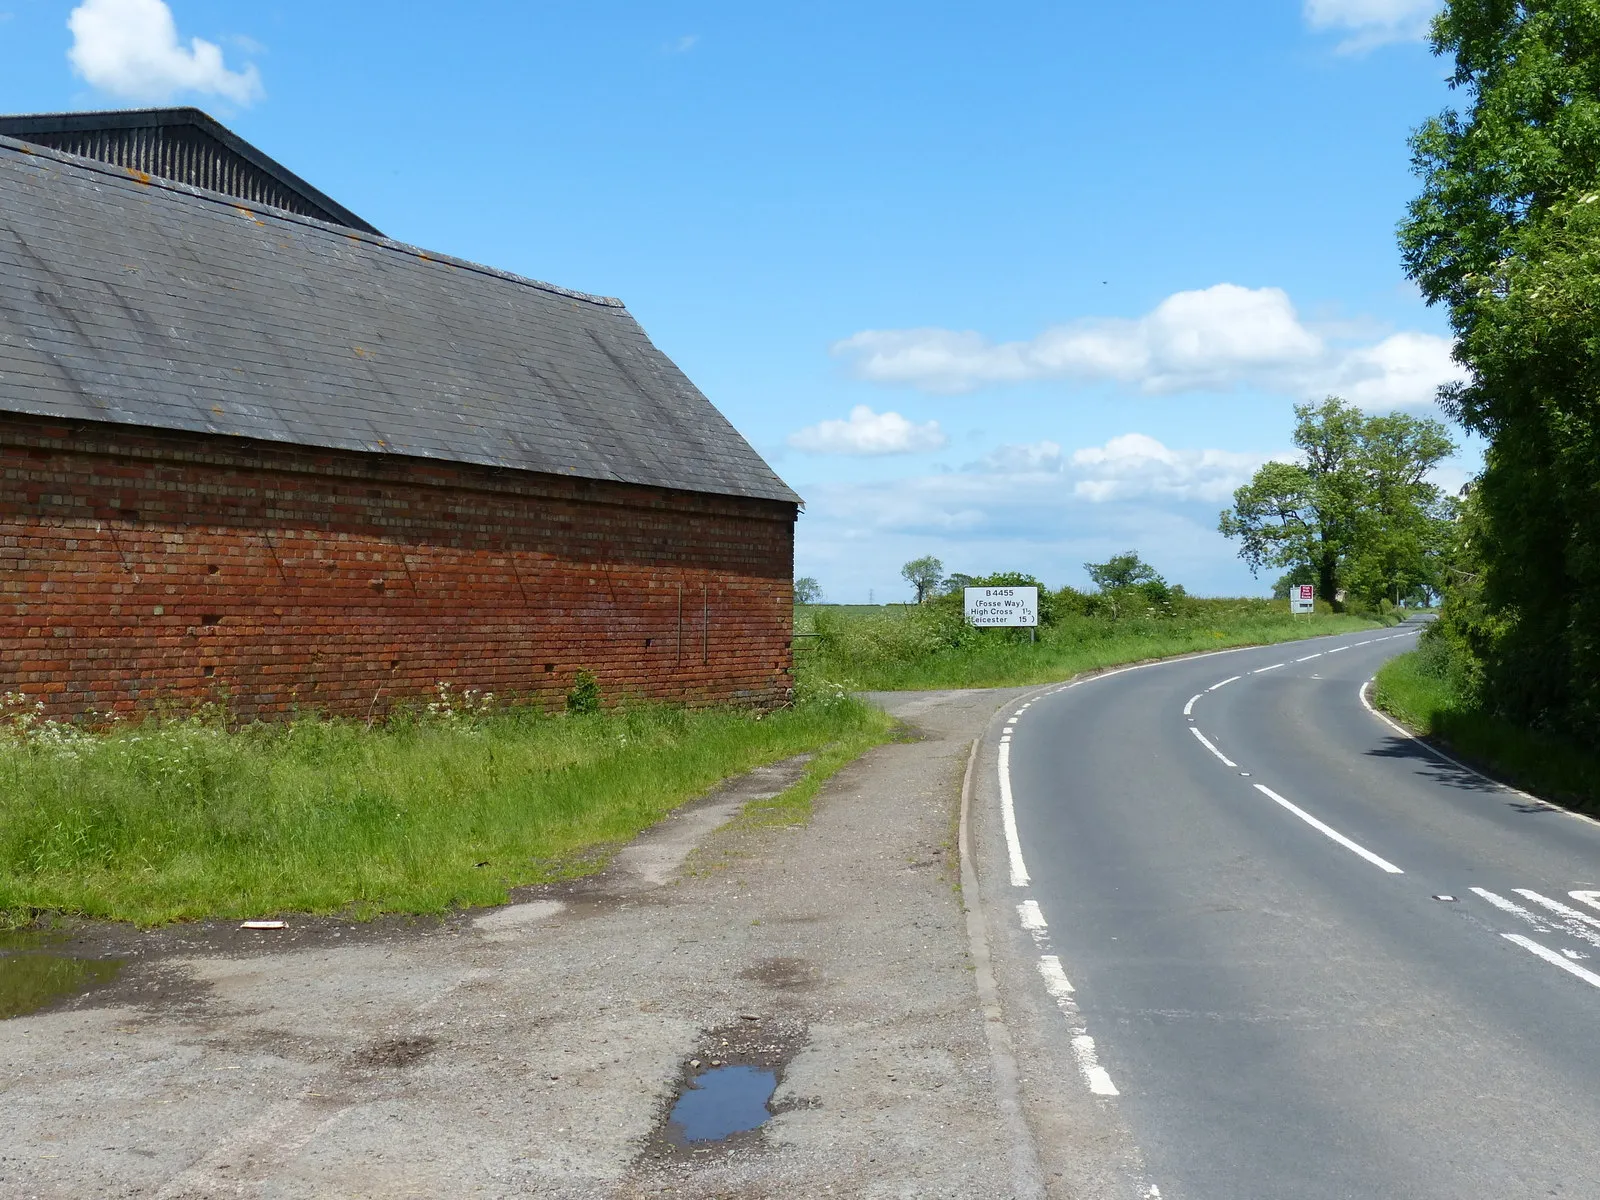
(178, 819)
(889, 652)
(1418, 690)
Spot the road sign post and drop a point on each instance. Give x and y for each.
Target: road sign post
(1302, 598)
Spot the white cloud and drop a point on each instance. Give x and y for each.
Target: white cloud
(1215, 339)
(1371, 23)
(1128, 467)
(867, 432)
(130, 48)
(1134, 465)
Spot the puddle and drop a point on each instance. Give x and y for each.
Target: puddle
(35, 972)
(722, 1102)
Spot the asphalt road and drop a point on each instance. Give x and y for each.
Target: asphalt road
(1306, 957)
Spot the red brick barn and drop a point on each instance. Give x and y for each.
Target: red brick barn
(251, 449)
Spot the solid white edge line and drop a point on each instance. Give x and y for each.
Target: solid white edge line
(1550, 956)
(1361, 694)
(1008, 817)
(1383, 864)
(1027, 1176)
(1204, 742)
(1188, 708)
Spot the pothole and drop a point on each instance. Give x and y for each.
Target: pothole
(722, 1102)
(396, 1052)
(36, 972)
(726, 1090)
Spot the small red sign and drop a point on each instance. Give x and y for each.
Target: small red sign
(1307, 592)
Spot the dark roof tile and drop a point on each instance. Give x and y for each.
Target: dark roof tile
(157, 304)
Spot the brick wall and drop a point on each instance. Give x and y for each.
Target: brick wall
(139, 567)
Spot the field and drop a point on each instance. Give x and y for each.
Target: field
(447, 807)
(1422, 691)
(909, 647)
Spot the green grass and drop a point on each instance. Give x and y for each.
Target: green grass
(184, 818)
(1421, 691)
(898, 649)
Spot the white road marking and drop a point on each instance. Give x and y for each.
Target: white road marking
(1336, 649)
(1381, 863)
(1309, 657)
(1577, 924)
(1008, 815)
(1225, 759)
(1055, 979)
(1056, 983)
(1514, 909)
(1264, 670)
(1550, 956)
(1030, 916)
(1089, 1063)
(1224, 683)
(1592, 899)
(1189, 707)
(1013, 721)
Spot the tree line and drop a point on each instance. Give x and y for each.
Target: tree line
(1505, 234)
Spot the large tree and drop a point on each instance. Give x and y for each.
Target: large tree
(1357, 512)
(1506, 234)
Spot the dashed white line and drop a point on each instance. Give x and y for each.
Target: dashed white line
(1188, 708)
(1592, 899)
(1309, 657)
(1336, 649)
(1055, 979)
(1225, 682)
(1383, 864)
(1550, 956)
(1264, 670)
(1030, 916)
(1008, 816)
(1089, 1063)
(1204, 741)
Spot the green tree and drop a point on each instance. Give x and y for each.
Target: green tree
(1506, 234)
(1123, 570)
(1304, 514)
(1358, 514)
(807, 590)
(924, 575)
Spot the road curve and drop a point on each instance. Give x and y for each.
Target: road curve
(1298, 953)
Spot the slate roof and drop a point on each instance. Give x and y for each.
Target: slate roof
(136, 301)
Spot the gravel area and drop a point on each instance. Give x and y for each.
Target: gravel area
(535, 1050)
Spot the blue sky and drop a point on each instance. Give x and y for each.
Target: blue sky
(1019, 286)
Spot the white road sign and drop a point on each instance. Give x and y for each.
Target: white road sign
(1302, 598)
(1011, 607)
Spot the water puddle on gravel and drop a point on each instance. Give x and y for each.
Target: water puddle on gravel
(722, 1102)
(36, 970)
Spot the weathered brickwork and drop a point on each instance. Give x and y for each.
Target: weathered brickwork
(139, 567)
